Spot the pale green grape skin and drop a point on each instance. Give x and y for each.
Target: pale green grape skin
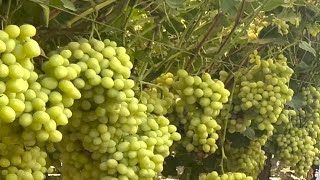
(4, 71)
(4, 100)
(7, 114)
(25, 119)
(13, 31)
(27, 30)
(31, 48)
(8, 58)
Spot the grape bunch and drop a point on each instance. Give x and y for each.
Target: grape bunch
(110, 130)
(24, 121)
(19, 162)
(225, 176)
(249, 160)
(256, 26)
(283, 27)
(16, 70)
(199, 101)
(260, 95)
(296, 149)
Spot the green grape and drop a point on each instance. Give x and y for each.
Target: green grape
(27, 30)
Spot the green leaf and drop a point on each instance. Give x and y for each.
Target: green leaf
(296, 102)
(249, 133)
(229, 6)
(68, 5)
(307, 47)
(176, 3)
(142, 56)
(269, 40)
(302, 67)
(272, 4)
(290, 16)
(238, 140)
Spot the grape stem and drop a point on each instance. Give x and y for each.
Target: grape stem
(150, 84)
(8, 10)
(89, 11)
(223, 138)
(125, 24)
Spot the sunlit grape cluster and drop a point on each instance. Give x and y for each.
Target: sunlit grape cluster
(22, 106)
(226, 176)
(166, 79)
(256, 26)
(260, 95)
(249, 160)
(200, 101)
(296, 150)
(308, 116)
(283, 27)
(16, 70)
(110, 130)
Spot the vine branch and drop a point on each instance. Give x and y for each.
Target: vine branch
(89, 11)
(236, 23)
(199, 46)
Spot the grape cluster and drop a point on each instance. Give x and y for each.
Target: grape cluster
(199, 101)
(256, 26)
(249, 160)
(19, 162)
(261, 94)
(24, 123)
(225, 176)
(310, 114)
(110, 130)
(296, 150)
(283, 27)
(166, 79)
(16, 70)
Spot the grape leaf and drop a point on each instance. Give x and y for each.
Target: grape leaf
(307, 47)
(68, 5)
(296, 102)
(238, 140)
(229, 6)
(272, 4)
(249, 133)
(302, 67)
(175, 3)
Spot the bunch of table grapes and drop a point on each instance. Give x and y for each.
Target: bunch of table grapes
(249, 160)
(225, 176)
(27, 117)
(110, 130)
(200, 99)
(260, 95)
